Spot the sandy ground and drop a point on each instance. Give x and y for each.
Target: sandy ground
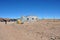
(40, 30)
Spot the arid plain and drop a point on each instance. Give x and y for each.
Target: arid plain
(40, 30)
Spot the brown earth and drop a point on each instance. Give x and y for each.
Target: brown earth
(40, 30)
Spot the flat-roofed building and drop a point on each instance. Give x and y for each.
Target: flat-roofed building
(29, 18)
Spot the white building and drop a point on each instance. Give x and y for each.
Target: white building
(29, 18)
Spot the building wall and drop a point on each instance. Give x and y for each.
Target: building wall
(29, 18)
(32, 18)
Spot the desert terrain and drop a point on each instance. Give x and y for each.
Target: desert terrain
(40, 30)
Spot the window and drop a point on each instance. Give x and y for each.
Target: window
(36, 18)
(27, 18)
(32, 18)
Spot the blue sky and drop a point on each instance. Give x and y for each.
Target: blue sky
(40, 8)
